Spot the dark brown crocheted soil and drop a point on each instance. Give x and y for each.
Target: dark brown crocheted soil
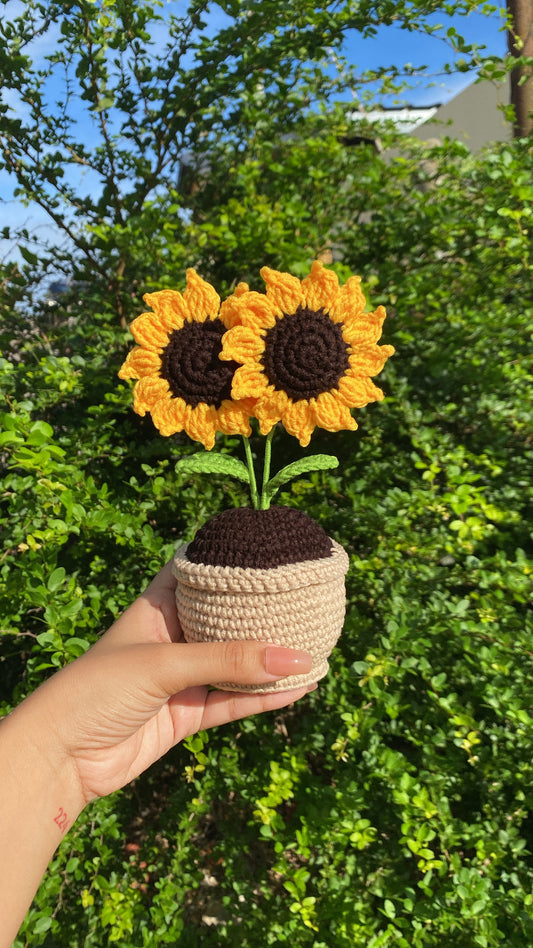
(259, 539)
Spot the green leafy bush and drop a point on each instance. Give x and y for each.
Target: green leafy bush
(392, 807)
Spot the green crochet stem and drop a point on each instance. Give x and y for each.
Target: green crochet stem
(260, 501)
(251, 473)
(271, 485)
(265, 499)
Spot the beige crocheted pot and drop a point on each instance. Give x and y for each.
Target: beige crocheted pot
(296, 604)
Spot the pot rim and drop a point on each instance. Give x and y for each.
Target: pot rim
(241, 579)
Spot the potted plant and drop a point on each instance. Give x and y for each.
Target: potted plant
(303, 355)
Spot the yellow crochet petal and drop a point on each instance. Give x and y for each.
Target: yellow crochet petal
(284, 291)
(241, 344)
(230, 311)
(201, 298)
(299, 420)
(369, 360)
(140, 362)
(320, 288)
(147, 392)
(350, 302)
(277, 398)
(248, 381)
(169, 306)
(364, 328)
(148, 332)
(332, 414)
(249, 318)
(201, 424)
(270, 408)
(356, 392)
(249, 309)
(234, 416)
(170, 415)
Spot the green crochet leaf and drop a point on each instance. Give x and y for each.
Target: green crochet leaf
(207, 463)
(317, 462)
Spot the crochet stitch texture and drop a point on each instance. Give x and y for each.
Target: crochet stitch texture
(306, 350)
(303, 354)
(298, 605)
(260, 539)
(181, 380)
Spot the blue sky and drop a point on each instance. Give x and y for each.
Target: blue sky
(394, 45)
(391, 45)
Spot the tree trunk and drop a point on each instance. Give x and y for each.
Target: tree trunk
(520, 43)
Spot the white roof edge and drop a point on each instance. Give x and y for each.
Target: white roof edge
(407, 119)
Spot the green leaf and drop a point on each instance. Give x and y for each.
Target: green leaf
(317, 462)
(10, 437)
(29, 257)
(40, 433)
(56, 579)
(107, 102)
(75, 646)
(71, 608)
(42, 925)
(478, 907)
(389, 909)
(207, 463)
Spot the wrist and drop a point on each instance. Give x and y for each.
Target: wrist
(33, 742)
(40, 802)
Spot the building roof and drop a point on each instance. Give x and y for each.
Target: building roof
(405, 118)
(473, 116)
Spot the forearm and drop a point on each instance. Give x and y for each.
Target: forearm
(106, 717)
(40, 801)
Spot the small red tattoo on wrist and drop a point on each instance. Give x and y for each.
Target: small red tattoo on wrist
(61, 819)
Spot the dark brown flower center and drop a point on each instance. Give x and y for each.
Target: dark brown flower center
(190, 363)
(305, 354)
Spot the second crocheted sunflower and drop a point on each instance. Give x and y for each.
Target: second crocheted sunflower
(306, 350)
(182, 382)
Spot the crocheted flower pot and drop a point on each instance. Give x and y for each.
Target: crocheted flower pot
(272, 575)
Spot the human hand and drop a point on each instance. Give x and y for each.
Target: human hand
(141, 689)
(103, 719)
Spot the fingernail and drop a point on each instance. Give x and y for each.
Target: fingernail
(286, 661)
(312, 687)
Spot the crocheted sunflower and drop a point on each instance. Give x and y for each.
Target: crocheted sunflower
(302, 354)
(182, 382)
(306, 350)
